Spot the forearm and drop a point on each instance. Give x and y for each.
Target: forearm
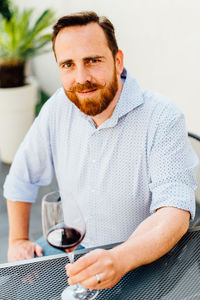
(19, 245)
(153, 238)
(18, 215)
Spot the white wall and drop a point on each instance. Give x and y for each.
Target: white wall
(160, 40)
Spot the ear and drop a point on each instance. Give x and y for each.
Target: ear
(119, 62)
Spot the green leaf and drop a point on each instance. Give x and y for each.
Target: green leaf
(20, 40)
(43, 21)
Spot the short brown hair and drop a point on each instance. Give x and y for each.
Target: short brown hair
(84, 18)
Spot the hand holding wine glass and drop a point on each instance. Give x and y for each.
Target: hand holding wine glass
(64, 228)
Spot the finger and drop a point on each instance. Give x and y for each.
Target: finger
(84, 274)
(92, 283)
(83, 262)
(38, 250)
(27, 252)
(28, 255)
(24, 255)
(78, 266)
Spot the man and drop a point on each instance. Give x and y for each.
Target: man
(122, 151)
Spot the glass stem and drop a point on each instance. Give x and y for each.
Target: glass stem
(71, 257)
(79, 290)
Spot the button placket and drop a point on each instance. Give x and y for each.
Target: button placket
(93, 158)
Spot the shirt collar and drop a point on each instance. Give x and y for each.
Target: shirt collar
(130, 98)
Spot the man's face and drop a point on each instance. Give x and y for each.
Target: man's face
(89, 73)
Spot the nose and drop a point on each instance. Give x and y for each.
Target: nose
(82, 74)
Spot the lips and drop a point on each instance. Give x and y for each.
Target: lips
(87, 92)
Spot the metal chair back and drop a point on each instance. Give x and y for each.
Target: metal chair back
(195, 141)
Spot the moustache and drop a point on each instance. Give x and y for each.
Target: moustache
(85, 87)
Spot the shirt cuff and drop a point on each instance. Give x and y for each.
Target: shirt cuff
(174, 194)
(18, 190)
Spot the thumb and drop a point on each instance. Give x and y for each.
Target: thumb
(38, 250)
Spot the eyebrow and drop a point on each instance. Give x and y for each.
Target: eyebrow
(93, 57)
(69, 61)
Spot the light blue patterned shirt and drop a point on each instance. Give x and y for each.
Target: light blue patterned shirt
(138, 160)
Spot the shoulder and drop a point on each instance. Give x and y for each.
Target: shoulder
(57, 101)
(160, 106)
(56, 108)
(150, 104)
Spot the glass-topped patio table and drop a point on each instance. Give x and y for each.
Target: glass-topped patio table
(174, 276)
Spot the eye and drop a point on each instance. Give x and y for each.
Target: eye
(67, 65)
(95, 60)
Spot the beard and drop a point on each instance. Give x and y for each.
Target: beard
(95, 105)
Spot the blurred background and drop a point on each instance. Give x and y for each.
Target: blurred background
(161, 44)
(160, 40)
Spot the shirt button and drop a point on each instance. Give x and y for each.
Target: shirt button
(92, 190)
(94, 160)
(91, 217)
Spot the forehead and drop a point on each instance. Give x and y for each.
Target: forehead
(81, 40)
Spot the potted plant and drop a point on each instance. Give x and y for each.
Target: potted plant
(20, 39)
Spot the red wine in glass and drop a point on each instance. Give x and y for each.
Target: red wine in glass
(65, 238)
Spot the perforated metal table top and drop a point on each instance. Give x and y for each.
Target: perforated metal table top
(175, 276)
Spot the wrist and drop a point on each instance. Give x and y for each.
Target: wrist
(127, 256)
(120, 259)
(13, 241)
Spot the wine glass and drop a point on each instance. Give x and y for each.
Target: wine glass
(64, 228)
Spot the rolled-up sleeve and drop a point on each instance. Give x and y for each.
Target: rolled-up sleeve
(33, 164)
(173, 165)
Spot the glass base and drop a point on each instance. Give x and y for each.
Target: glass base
(74, 293)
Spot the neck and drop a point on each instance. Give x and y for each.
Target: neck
(107, 113)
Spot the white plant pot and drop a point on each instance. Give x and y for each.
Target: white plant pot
(17, 111)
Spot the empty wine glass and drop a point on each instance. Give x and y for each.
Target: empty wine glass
(64, 228)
